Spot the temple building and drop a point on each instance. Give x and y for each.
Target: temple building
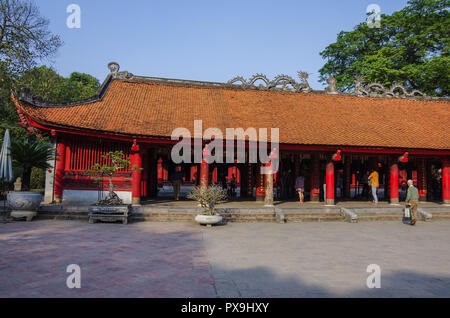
(331, 138)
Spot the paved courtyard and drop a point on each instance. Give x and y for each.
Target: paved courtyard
(152, 259)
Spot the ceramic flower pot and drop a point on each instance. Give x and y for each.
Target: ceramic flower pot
(208, 219)
(24, 204)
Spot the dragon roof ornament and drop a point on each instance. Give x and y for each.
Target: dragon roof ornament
(286, 82)
(378, 90)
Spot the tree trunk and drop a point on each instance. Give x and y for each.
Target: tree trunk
(268, 200)
(111, 187)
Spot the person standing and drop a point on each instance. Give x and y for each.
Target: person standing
(413, 199)
(176, 182)
(300, 187)
(233, 186)
(374, 183)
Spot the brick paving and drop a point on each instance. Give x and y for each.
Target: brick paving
(158, 259)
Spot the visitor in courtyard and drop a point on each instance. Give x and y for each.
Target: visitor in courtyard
(232, 186)
(365, 184)
(412, 198)
(176, 182)
(300, 187)
(374, 183)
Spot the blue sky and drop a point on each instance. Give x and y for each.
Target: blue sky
(203, 40)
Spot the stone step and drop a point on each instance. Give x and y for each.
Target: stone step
(246, 214)
(380, 217)
(441, 215)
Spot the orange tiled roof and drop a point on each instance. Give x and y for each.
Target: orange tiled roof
(156, 108)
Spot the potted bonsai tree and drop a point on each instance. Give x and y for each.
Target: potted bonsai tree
(208, 197)
(28, 153)
(111, 208)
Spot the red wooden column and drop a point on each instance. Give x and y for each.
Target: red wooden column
(393, 183)
(270, 167)
(260, 191)
(422, 179)
(59, 170)
(315, 178)
(136, 175)
(160, 172)
(204, 168)
(330, 183)
(446, 181)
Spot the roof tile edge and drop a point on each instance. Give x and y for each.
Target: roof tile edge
(370, 90)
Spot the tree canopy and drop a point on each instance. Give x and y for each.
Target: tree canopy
(410, 48)
(26, 42)
(46, 83)
(24, 36)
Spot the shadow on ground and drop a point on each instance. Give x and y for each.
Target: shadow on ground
(162, 260)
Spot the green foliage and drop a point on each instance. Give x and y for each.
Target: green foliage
(410, 48)
(24, 36)
(46, 83)
(25, 41)
(28, 153)
(115, 161)
(37, 179)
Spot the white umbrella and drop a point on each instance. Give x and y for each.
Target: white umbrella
(6, 173)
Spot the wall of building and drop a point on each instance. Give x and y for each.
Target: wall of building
(86, 197)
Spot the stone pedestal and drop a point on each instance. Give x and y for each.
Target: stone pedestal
(109, 213)
(24, 204)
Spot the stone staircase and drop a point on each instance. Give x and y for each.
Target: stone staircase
(438, 212)
(319, 213)
(394, 213)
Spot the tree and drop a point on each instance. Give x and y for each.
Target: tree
(80, 86)
(410, 48)
(208, 197)
(24, 41)
(115, 161)
(28, 153)
(24, 36)
(43, 81)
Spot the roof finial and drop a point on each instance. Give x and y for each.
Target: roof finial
(331, 89)
(113, 67)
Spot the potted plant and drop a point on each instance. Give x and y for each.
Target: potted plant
(111, 208)
(28, 153)
(208, 197)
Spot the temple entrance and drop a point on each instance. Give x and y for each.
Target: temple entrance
(244, 181)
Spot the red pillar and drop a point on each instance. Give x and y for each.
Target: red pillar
(204, 168)
(330, 183)
(422, 179)
(393, 182)
(446, 181)
(160, 172)
(204, 173)
(136, 175)
(59, 170)
(315, 179)
(193, 175)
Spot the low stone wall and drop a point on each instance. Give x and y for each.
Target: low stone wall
(161, 213)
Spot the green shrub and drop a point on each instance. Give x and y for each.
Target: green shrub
(37, 180)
